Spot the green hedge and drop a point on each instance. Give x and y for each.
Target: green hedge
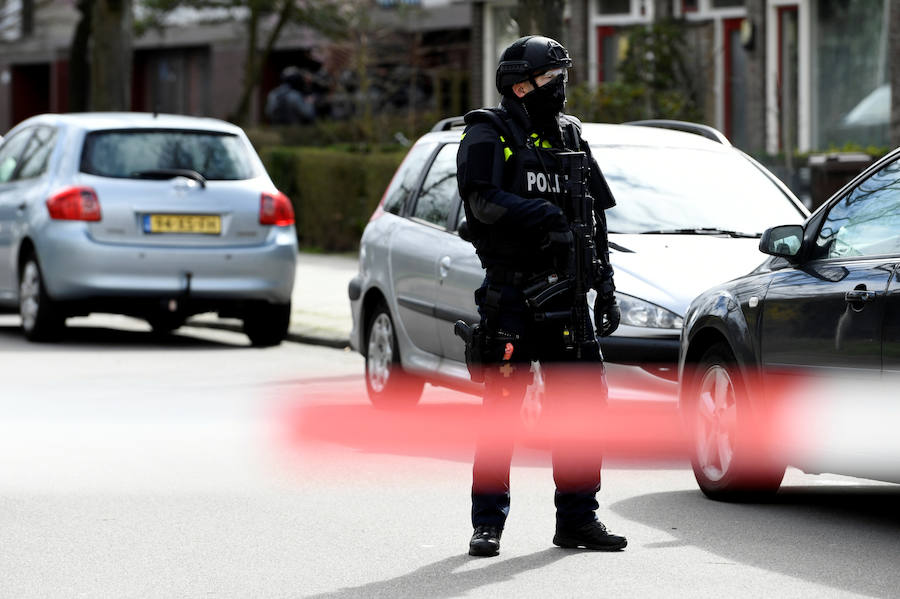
(333, 191)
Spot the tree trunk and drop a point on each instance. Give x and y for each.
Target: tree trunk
(249, 83)
(257, 58)
(364, 107)
(111, 55)
(79, 63)
(894, 71)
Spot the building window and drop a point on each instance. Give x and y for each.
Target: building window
(689, 6)
(727, 3)
(850, 61)
(11, 15)
(614, 7)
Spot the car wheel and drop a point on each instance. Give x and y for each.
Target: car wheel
(728, 456)
(386, 382)
(41, 318)
(267, 324)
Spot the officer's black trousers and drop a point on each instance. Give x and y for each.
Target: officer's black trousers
(575, 395)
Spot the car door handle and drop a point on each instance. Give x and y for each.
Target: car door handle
(444, 266)
(21, 207)
(859, 295)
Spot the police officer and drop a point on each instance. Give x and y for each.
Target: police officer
(509, 177)
(288, 103)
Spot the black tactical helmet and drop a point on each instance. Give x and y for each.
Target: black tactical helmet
(292, 75)
(527, 56)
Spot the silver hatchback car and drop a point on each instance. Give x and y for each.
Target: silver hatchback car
(691, 208)
(155, 216)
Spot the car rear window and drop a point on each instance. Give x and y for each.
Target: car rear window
(127, 153)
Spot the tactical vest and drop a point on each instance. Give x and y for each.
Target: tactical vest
(531, 170)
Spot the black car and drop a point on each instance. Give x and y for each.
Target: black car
(826, 301)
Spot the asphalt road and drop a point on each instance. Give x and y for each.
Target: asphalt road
(196, 466)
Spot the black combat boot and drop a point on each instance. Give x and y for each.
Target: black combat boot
(485, 541)
(592, 535)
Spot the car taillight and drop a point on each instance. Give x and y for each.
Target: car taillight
(275, 209)
(379, 210)
(74, 203)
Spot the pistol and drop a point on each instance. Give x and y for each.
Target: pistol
(462, 330)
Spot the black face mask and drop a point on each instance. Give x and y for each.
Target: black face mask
(546, 102)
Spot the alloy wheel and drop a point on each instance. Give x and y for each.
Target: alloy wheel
(716, 423)
(380, 354)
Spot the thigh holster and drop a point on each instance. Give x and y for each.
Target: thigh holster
(485, 348)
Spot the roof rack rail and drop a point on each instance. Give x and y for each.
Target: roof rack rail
(703, 130)
(453, 122)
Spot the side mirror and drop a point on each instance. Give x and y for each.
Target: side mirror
(784, 241)
(464, 233)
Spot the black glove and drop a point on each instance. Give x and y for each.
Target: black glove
(606, 314)
(559, 241)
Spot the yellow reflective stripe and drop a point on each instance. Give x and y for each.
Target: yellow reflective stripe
(506, 151)
(462, 137)
(542, 143)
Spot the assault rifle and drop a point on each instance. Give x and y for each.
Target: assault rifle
(578, 273)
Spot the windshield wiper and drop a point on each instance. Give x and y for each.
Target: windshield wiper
(171, 173)
(702, 231)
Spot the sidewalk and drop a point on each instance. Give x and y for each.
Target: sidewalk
(320, 312)
(321, 306)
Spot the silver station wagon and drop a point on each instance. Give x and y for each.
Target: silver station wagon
(155, 216)
(691, 208)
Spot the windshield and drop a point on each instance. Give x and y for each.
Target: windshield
(128, 153)
(666, 189)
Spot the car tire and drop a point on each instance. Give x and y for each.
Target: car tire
(387, 384)
(165, 323)
(728, 456)
(42, 320)
(266, 324)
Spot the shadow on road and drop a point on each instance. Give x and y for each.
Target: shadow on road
(111, 339)
(845, 537)
(441, 579)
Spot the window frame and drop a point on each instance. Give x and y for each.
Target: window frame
(452, 215)
(404, 210)
(822, 217)
(27, 134)
(53, 141)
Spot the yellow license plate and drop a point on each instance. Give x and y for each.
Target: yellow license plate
(203, 224)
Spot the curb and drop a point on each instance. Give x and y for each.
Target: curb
(293, 336)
